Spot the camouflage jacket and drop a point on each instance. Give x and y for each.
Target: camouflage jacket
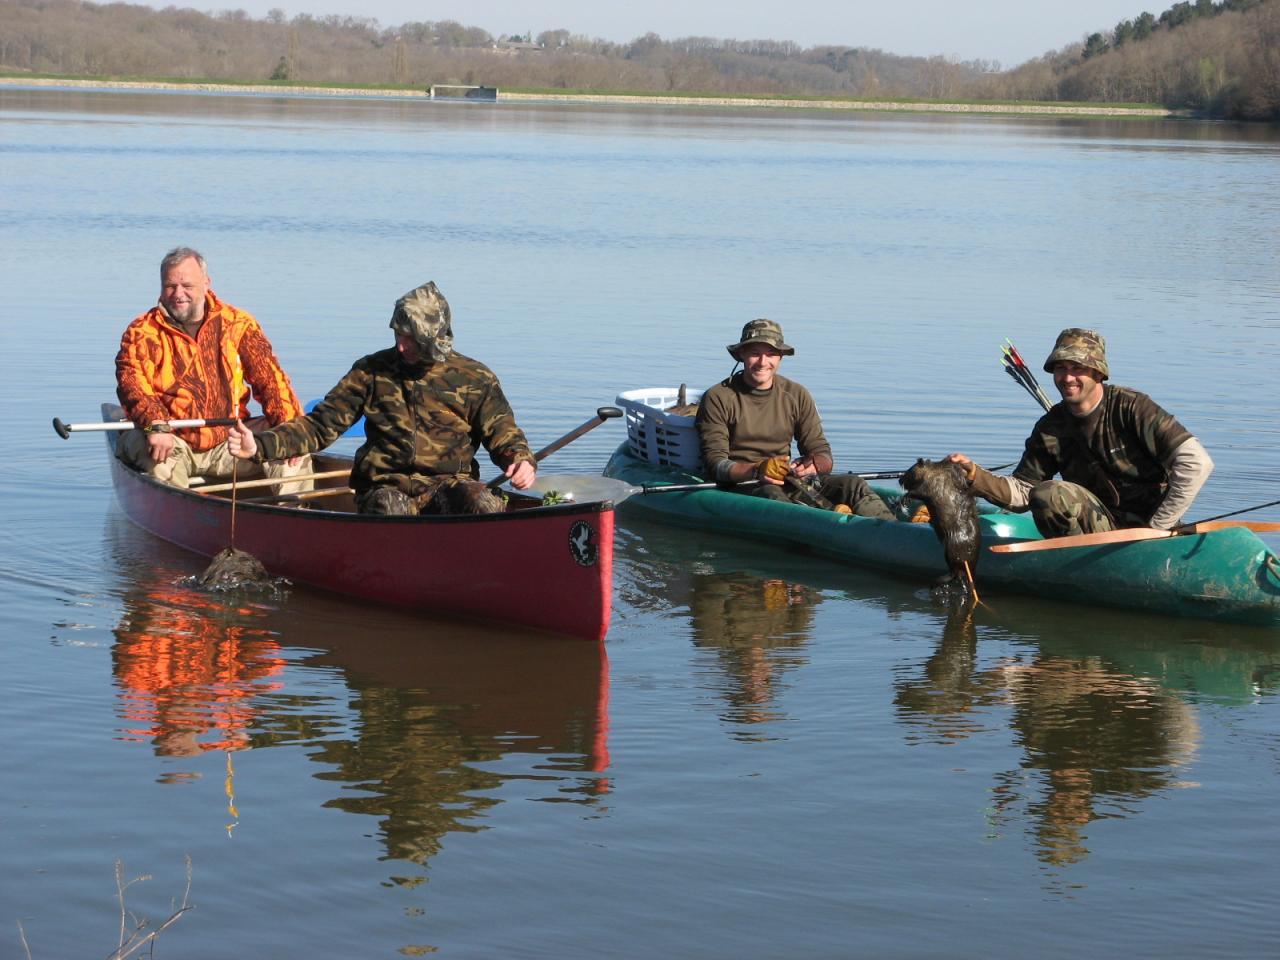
(1120, 452)
(421, 422)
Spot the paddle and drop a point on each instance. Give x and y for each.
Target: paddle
(602, 414)
(65, 430)
(1132, 535)
(585, 488)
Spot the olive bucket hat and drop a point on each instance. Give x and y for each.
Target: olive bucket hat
(761, 331)
(1077, 345)
(423, 314)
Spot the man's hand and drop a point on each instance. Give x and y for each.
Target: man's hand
(804, 467)
(240, 441)
(774, 470)
(522, 474)
(970, 468)
(160, 445)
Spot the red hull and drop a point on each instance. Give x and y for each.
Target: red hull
(548, 568)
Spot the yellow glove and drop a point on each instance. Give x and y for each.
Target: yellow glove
(775, 468)
(921, 515)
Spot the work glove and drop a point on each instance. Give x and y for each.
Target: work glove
(775, 468)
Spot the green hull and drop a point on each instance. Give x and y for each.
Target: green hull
(1228, 575)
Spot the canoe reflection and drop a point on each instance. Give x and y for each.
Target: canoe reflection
(447, 714)
(1104, 711)
(418, 722)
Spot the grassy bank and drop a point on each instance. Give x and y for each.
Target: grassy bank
(634, 97)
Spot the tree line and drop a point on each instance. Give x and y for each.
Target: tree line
(1219, 58)
(1216, 59)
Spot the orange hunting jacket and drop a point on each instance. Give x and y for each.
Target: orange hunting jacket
(163, 374)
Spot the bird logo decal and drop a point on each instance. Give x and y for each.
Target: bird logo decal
(582, 544)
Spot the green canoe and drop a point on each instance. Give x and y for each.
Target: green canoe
(1228, 575)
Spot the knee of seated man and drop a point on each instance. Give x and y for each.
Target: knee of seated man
(771, 491)
(1046, 496)
(387, 502)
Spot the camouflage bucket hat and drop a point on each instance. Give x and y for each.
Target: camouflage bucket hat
(423, 314)
(761, 331)
(1085, 347)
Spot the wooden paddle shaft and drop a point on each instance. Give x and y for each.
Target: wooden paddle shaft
(1131, 535)
(602, 414)
(272, 481)
(305, 495)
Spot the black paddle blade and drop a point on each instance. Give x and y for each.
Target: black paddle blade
(234, 569)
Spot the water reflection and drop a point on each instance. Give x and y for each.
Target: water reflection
(757, 628)
(189, 667)
(1104, 710)
(420, 723)
(1103, 707)
(755, 625)
(444, 720)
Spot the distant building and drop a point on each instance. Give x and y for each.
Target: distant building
(516, 46)
(462, 91)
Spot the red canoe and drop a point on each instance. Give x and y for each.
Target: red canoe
(547, 568)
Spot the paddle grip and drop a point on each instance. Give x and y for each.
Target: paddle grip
(60, 428)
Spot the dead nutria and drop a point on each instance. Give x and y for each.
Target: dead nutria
(233, 569)
(953, 514)
(465, 496)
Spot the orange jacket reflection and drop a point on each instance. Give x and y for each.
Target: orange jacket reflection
(187, 677)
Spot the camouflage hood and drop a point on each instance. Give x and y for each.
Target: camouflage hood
(1085, 347)
(423, 314)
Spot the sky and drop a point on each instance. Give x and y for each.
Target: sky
(1008, 31)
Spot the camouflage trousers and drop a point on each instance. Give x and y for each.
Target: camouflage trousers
(843, 488)
(1063, 509)
(214, 465)
(444, 495)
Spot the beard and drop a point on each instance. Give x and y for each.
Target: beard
(191, 312)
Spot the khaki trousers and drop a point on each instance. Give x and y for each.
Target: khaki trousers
(214, 464)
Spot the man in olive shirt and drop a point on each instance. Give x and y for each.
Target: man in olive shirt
(1124, 461)
(747, 422)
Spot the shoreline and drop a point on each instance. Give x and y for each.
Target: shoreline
(885, 106)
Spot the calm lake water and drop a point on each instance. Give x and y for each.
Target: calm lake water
(770, 755)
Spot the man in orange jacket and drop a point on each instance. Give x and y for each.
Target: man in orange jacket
(193, 357)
